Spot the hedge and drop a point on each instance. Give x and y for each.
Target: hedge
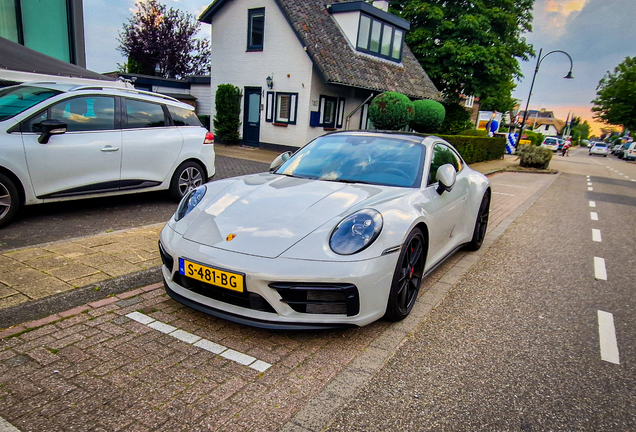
(477, 149)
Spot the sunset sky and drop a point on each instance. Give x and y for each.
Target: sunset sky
(598, 34)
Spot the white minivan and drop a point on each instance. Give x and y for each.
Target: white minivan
(64, 141)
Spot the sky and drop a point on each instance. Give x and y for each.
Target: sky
(598, 35)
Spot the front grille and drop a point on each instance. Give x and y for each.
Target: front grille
(246, 299)
(166, 258)
(319, 298)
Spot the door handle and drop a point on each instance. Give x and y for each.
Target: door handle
(110, 149)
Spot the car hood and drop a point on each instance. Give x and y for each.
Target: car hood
(270, 213)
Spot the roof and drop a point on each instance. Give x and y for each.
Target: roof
(558, 124)
(17, 57)
(337, 61)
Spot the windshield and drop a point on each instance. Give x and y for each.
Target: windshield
(14, 100)
(360, 158)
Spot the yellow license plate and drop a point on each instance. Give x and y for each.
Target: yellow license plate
(213, 276)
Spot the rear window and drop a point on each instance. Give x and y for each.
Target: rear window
(141, 114)
(14, 100)
(550, 141)
(601, 145)
(183, 117)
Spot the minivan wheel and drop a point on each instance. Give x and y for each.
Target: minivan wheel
(9, 200)
(188, 176)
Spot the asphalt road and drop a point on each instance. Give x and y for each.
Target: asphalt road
(516, 344)
(64, 220)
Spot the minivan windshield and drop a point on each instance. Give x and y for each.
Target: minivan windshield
(14, 100)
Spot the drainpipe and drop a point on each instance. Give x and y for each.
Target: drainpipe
(348, 120)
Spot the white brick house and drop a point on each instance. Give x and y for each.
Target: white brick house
(305, 68)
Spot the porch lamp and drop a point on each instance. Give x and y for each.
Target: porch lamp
(270, 82)
(536, 69)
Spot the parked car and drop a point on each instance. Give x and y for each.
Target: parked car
(615, 148)
(621, 150)
(551, 143)
(342, 233)
(599, 148)
(63, 141)
(630, 152)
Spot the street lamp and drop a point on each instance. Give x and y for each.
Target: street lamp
(536, 69)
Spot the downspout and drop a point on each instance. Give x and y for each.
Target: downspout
(348, 120)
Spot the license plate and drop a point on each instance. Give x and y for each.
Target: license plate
(213, 276)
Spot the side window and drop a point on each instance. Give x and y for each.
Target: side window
(33, 124)
(81, 114)
(442, 155)
(183, 117)
(255, 29)
(141, 114)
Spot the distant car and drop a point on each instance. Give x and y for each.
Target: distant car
(599, 148)
(621, 150)
(552, 143)
(630, 152)
(66, 141)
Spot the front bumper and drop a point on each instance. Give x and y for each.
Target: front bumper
(264, 278)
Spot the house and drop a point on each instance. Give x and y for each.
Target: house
(306, 67)
(471, 103)
(547, 126)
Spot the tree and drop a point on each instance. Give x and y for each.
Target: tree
(228, 110)
(162, 41)
(456, 119)
(580, 131)
(470, 47)
(615, 103)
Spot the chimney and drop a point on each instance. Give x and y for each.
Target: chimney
(381, 4)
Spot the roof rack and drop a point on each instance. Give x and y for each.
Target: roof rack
(124, 89)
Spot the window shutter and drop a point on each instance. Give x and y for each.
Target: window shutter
(341, 107)
(322, 111)
(293, 105)
(269, 111)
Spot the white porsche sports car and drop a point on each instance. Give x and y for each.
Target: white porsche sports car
(339, 233)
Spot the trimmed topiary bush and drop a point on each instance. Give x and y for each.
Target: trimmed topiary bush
(228, 110)
(428, 116)
(477, 149)
(391, 111)
(474, 132)
(532, 156)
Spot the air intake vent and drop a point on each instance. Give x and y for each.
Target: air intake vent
(319, 298)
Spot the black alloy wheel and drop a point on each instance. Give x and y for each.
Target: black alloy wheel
(187, 176)
(407, 277)
(481, 224)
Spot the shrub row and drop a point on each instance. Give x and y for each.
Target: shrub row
(477, 149)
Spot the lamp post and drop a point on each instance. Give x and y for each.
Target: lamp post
(536, 69)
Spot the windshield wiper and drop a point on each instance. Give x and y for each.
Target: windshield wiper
(350, 181)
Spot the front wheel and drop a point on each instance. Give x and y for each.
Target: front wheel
(481, 224)
(407, 277)
(9, 200)
(188, 176)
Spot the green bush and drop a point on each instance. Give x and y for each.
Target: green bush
(428, 115)
(456, 120)
(474, 132)
(535, 137)
(532, 156)
(391, 111)
(477, 149)
(228, 111)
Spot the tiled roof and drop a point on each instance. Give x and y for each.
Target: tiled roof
(340, 63)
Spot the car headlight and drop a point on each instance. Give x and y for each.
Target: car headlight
(189, 202)
(356, 232)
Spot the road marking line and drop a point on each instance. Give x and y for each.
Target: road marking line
(197, 341)
(607, 337)
(590, 189)
(5, 426)
(501, 193)
(594, 215)
(626, 176)
(508, 185)
(592, 203)
(599, 269)
(596, 235)
(589, 183)
(620, 173)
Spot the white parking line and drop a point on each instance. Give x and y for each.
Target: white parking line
(501, 193)
(197, 341)
(590, 189)
(594, 216)
(607, 337)
(596, 235)
(592, 203)
(589, 183)
(599, 269)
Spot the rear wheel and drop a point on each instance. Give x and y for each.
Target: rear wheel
(187, 176)
(9, 200)
(481, 224)
(407, 277)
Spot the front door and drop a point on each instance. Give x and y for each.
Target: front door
(252, 117)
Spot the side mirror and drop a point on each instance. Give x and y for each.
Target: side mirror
(446, 176)
(51, 127)
(280, 159)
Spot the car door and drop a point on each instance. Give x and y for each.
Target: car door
(151, 145)
(446, 211)
(84, 160)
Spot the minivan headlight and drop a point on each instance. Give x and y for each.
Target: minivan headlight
(189, 202)
(356, 232)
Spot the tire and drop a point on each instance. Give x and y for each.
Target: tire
(9, 200)
(407, 277)
(186, 177)
(481, 223)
